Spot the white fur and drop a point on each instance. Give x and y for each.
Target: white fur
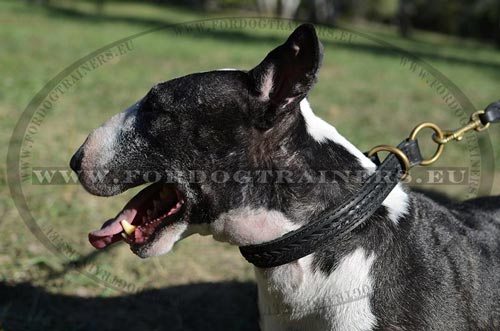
(246, 226)
(321, 131)
(295, 297)
(100, 145)
(397, 201)
(266, 85)
(167, 238)
(173, 233)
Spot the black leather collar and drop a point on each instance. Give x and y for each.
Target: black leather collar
(335, 224)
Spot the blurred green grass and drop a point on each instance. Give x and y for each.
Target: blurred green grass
(363, 90)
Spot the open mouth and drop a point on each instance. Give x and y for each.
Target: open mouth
(154, 207)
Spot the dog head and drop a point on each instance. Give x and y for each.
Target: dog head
(187, 136)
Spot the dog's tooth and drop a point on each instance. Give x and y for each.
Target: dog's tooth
(127, 227)
(124, 235)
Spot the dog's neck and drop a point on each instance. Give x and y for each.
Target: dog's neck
(311, 145)
(314, 168)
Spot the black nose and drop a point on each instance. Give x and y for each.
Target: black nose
(76, 160)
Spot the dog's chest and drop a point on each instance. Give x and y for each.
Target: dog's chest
(294, 297)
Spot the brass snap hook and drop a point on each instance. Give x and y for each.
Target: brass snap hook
(479, 125)
(458, 134)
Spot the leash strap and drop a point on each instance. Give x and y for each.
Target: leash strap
(491, 114)
(339, 222)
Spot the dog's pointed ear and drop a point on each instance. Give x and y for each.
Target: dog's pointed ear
(289, 71)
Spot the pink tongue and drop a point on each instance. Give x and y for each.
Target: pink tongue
(111, 229)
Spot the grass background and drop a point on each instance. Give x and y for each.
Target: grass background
(363, 90)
